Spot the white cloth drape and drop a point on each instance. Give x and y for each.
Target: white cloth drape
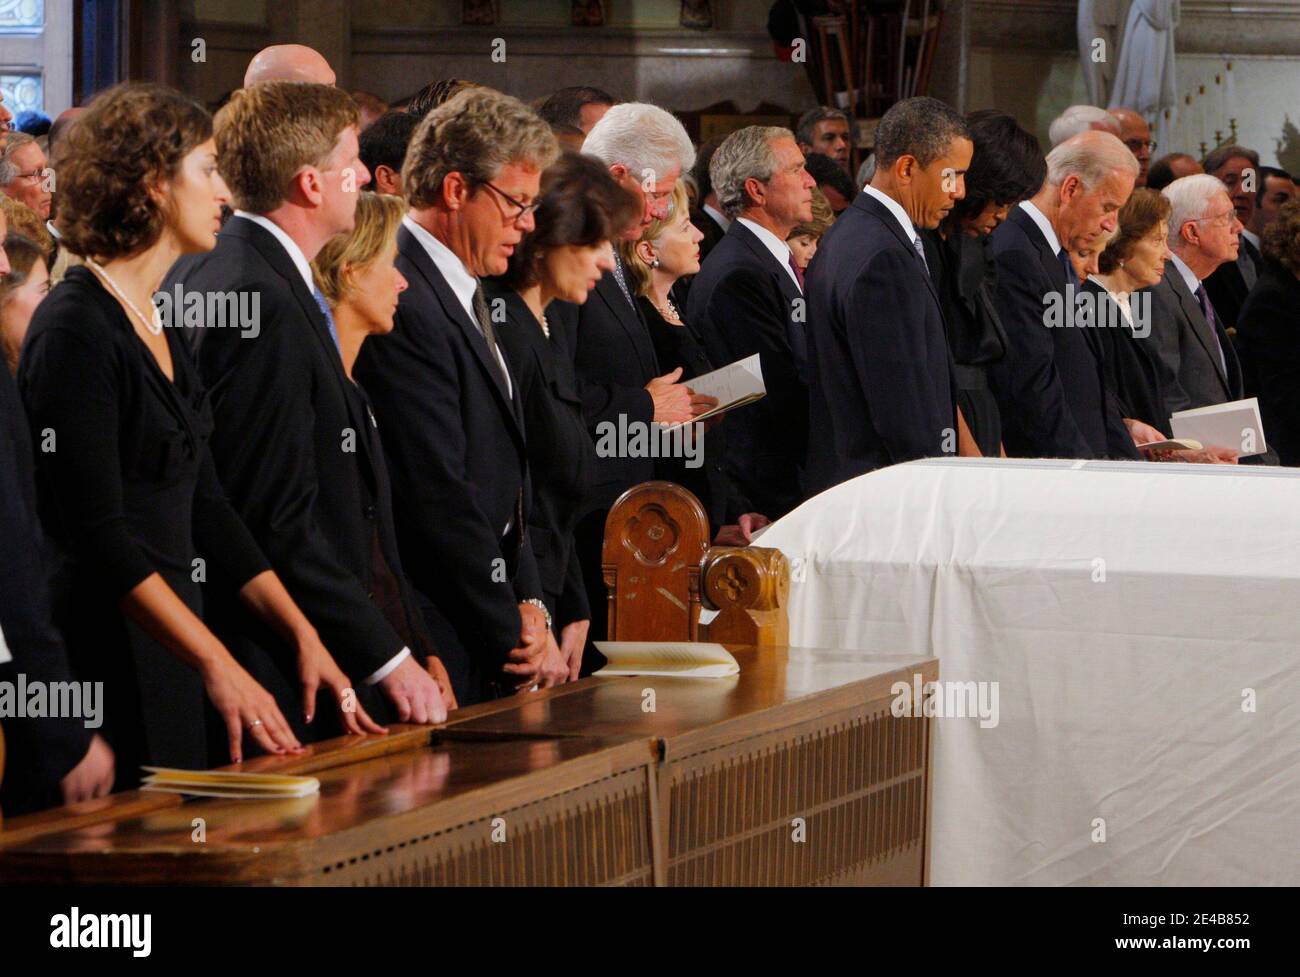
(1140, 623)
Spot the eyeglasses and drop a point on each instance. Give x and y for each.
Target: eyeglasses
(1229, 216)
(32, 176)
(1137, 145)
(523, 208)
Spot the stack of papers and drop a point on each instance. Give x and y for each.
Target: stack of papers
(735, 385)
(220, 783)
(678, 659)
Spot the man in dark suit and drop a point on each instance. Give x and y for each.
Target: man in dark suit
(1237, 168)
(1197, 362)
(286, 440)
(646, 150)
(447, 404)
(748, 298)
(1050, 386)
(56, 759)
(880, 372)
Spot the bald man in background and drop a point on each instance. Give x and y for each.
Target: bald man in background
(1136, 135)
(288, 62)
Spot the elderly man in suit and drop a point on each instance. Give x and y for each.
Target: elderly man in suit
(449, 408)
(879, 369)
(1050, 386)
(1197, 361)
(619, 380)
(1237, 168)
(748, 298)
(288, 151)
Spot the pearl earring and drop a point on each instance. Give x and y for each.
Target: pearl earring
(654, 263)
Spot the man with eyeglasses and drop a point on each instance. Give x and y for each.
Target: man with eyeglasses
(1135, 133)
(447, 405)
(25, 174)
(1197, 363)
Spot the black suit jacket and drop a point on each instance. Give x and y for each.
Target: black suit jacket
(1269, 331)
(1050, 386)
(743, 302)
(40, 751)
(292, 451)
(881, 375)
(560, 454)
(614, 359)
(457, 456)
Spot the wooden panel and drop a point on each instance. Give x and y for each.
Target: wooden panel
(656, 534)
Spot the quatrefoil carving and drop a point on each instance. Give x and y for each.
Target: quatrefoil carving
(651, 535)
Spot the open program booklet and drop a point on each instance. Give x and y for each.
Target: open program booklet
(679, 659)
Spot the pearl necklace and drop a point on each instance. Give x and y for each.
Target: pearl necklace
(153, 324)
(670, 313)
(546, 327)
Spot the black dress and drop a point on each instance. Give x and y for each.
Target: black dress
(560, 451)
(1268, 337)
(964, 275)
(679, 346)
(126, 487)
(1129, 366)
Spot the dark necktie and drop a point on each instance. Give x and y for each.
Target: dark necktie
(485, 326)
(1067, 266)
(798, 272)
(622, 281)
(1213, 321)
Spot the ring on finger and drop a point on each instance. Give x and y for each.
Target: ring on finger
(255, 723)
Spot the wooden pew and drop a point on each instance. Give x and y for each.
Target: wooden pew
(660, 571)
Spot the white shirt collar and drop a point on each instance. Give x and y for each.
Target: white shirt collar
(780, 250)
(895, 208)
(1252, 237)
(463, 284)
(289, 244)
(718, 218)
(1044, 225)
(1189, 276)
(54, 231)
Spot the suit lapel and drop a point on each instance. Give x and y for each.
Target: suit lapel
(609, 292)
(878, 210)
(414, 252)
(274, 254)
(795, 334)
(1200, 327)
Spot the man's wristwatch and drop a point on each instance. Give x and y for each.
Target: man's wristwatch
(542, 607)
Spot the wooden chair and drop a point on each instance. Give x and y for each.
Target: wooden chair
(659, 570)
(655, 537)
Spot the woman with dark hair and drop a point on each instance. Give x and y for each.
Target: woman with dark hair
(1268, 329)
(126, 482)
(579, 210)
(1007, 166)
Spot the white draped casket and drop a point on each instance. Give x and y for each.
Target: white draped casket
(1137, 627)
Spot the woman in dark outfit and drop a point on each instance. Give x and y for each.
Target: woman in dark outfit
(579, 209)
(126, 485)
(667, 250)
(1007, 167)
(1133, 261)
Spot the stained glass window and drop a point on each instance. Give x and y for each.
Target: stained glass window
(22, 92)
(21, 16)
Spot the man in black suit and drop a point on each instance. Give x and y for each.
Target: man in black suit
(57, 759)
(880, 373)
(748, 298)
(1237, 168)
(646, 150)
(1050, 386)
(447, 404)
(287, 439)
